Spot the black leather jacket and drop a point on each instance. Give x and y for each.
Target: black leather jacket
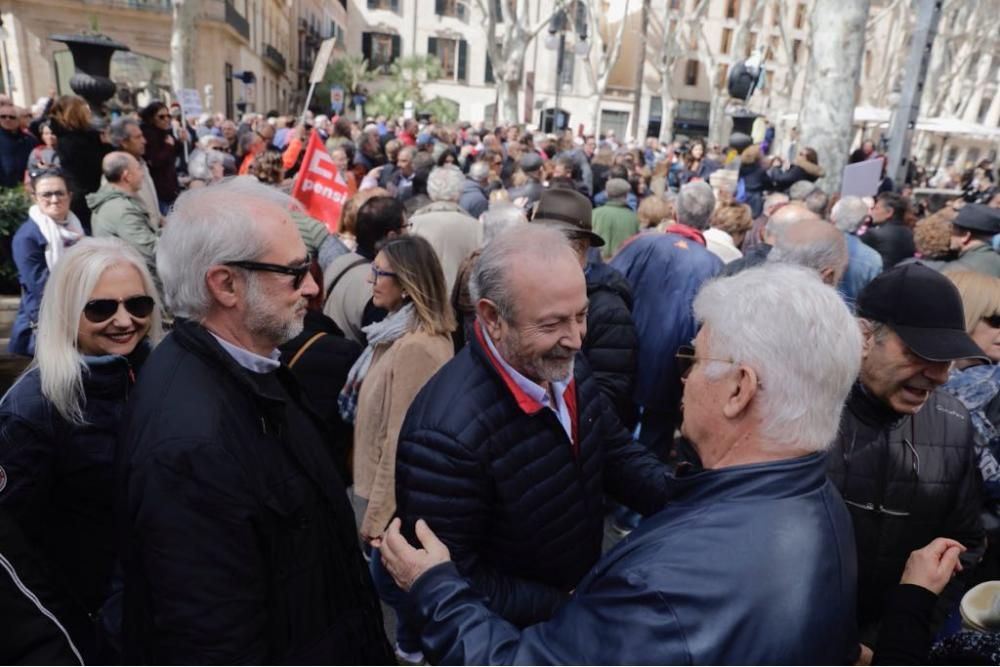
(906, 480)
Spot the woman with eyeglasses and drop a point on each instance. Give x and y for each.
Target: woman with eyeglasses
(60, 420)
(162, 150)
(37, 246)
(80, 148)
(404, 351)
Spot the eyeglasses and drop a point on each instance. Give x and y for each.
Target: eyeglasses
(101, 310)
(993, 321)
(686, 359)
(379, 273)
(162, 116)
(299, 271)
(7, 117)
(55, 194)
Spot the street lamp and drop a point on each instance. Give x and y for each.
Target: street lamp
(557, 40)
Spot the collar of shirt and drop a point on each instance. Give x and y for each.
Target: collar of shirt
(538, 396)
(249, 360)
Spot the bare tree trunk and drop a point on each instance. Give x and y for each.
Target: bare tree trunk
(507, 101)
(606, 52)
(837, 41)
(182, 44)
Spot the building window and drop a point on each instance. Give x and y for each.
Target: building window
(868, 63)
(722, 76)
(732, 9)
(727, 40)
(775, 15)
(984, 110)
(973, 64)
(691, 73)
(796, 51)
(800, 16)
(452, 54)
(380, 49)
(751, 44)
(565, 65)
(454, 8)
(391, 5)
(616, 121)
(774, 46)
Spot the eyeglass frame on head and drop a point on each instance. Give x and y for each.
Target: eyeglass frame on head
(686, 357)
(299, 272)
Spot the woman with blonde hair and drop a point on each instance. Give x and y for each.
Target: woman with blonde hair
(80, 148)
(404, 351)
(59, 422)
(655, 213)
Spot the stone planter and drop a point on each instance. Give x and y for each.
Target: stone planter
(92, 59)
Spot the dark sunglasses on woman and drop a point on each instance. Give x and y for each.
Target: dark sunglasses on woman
(101, 310)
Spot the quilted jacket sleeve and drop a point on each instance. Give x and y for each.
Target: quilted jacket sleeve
(441, 481)
(611, 348)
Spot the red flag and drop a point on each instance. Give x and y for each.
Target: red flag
(317, 187)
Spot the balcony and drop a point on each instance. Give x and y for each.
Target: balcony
(237, 21)
(273, 57)
(142, 5)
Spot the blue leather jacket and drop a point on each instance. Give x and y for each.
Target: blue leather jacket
(751, 564)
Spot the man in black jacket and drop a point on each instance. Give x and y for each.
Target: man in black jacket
(889, 234)
(509, 449)
(904, 459)
(239, 544)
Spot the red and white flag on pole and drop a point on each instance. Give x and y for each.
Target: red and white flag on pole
(318, 187)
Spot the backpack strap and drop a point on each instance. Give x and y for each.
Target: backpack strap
(336, 279)
(305, 346)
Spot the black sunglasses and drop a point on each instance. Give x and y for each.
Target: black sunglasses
(101, 310)
(298, 271)
(993, 321)
(6, 117)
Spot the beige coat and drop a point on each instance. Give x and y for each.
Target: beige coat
(398, 371)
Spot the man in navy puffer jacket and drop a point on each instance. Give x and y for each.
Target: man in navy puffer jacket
(753, 560)
(509, 450)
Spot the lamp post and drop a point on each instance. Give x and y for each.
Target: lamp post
(557, 40)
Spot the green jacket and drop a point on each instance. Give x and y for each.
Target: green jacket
(614, 222)
(981, 258)
(119, 214)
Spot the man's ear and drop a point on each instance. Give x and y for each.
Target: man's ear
(867, 337)
(221, 283)
(489, 315)
(741, 393)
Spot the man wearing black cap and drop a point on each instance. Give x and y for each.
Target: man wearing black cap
(904, 460)
(972, 236)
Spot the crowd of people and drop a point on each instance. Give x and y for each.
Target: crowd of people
(552, 399)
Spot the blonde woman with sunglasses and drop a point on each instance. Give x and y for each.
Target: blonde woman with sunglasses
(60, 420)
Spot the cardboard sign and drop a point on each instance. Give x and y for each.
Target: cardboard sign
(322, 60)
(318, 187)
(190, 102)
(861, 179)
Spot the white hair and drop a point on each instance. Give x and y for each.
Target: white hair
(67, 291)
(499, 217)
(490, 275)
(695, 205)
(818, 254)
(445, 183)
(849, 213)
(201, 162)
(800, 338)
(209, 226)
(479, 171)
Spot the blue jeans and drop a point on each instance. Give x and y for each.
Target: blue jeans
(407, 637)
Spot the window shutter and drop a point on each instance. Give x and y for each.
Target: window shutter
(372, 4)
(394, 5)
(488, 78)
(432, 46)
(462, 55)
(439, 7)
(396, 47)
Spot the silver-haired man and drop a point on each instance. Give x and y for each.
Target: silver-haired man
(863, 262)
(760, 409)
(240, 544)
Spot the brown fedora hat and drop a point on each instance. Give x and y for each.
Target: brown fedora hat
(569, 211)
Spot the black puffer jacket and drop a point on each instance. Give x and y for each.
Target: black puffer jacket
(801, 170)
(80, 155)
(612, 344)
(239, 542)
(921, 471)
(893, 240)
(497, 480)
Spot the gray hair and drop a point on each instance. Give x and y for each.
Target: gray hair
(799, 337)
(119, 131)
(479, 171)
(489, 277)
(445, 183)
(799, 190)
(499, 217)
(210, 226)
(115, 165)
(817, 253)
(695, 205)
(816, 202)
(849, 213)
(201, 162)
(69, 288)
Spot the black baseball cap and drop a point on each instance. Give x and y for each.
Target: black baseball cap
(924, 309)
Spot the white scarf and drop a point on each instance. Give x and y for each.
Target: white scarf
(58, 236)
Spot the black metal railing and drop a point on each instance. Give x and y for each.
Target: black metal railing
(237, 21)
(274, 57)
